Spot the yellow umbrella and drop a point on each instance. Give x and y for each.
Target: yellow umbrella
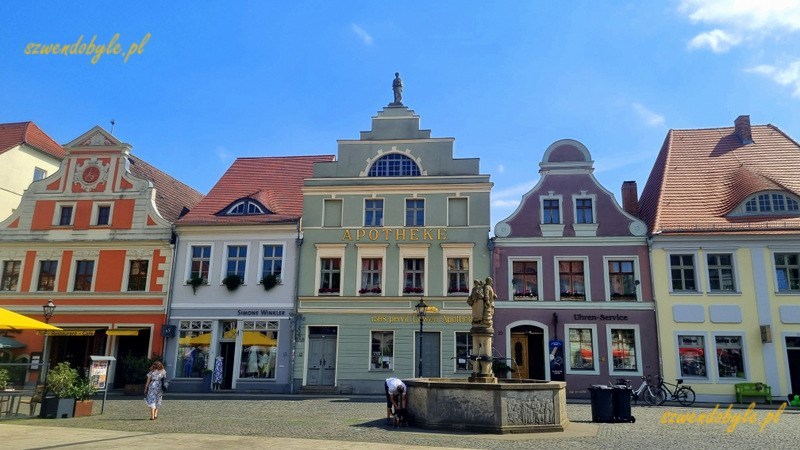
(10, 320)
(200, 339)
(256, 338)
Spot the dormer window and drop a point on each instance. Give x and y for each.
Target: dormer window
(244, 207)
(769, 203)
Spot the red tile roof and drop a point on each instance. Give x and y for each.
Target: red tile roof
(702, 175)
(14, 134)
(172, 196)
(276, 182)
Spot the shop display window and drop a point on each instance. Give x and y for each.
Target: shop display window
(259, 348)
(194, 343)
(382, 350)
(692, 355)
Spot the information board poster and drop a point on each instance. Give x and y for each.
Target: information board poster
(98, 374)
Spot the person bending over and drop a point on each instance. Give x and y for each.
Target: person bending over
(395, 395)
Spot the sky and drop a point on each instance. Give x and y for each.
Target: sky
(211, 81)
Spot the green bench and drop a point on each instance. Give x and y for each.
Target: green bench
(753, 390)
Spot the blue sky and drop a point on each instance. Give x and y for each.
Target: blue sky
(218, 80)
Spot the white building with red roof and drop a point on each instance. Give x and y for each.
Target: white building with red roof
(723, 210)
(234, 291)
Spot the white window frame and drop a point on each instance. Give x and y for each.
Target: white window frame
(637, 338)
(456, 251)
(538, 261)
(261, 256)
(595, 356)
(741, 335)
(455, 352)
(37, 267)
(73, 269)
(224, 268)
(413, 251)
(96, 213)
(424, 210)
(188, 269)
(560, 200)
(37, 170)
(773, 252)
(583, 196)
(636, 276)
(329, 251)
(698, 280)
(734, 269)
(57, 216)
(586, 281)
(12, 257)
(394, 351)
(371, 251)
(382, 211)
(710, 369)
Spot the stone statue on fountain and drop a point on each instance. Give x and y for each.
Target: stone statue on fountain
(481, 299)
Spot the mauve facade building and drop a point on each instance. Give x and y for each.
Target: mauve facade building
(572, 277)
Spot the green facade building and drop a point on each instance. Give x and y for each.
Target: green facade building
(395, 219)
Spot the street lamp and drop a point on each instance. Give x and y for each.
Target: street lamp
(422, 308)
(48, 309)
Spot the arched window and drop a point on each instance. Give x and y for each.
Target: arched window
(244, 207)
(394, 165)
(770, 203)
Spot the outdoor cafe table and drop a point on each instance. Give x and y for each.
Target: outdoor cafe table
(8, 399)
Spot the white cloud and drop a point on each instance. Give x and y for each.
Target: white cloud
(362, 34)
(649, 117)
(717, 40)
(785, 76)
(508, 204)
(501, 169)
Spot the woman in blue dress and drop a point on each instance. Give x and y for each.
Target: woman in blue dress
(153, 393)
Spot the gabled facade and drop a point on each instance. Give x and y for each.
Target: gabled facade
(95, 237)
(27, 154)
(571, 272)
(233, 294)
(723, 210)
(396, 218)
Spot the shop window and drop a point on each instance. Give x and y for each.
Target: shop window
(415, 212)
(10, 278)
(84, 272)
(373, 212)
(621, 280)
(272, 260)
(682, 272)
(624, 350)
(458, 276)
(201, 261)
(787, 271)
(692, 356)
(137, 275)
(571, 281)
(413, 275)
(382, 348)
(259, 348)
(720, 272)
(47, 275)
(237, 261)
(194, 343)
(463, 351)
(582, 349)
(371, 274)
(525, 280)
(730, 357)
(330, 273)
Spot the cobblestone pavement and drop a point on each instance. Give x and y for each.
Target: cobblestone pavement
(361, 419)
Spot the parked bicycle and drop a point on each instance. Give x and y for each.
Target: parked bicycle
(651, 394)
(680, 393)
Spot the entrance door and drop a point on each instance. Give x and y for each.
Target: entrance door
(793, 356)
(431, 354)
(321, 356)
(129, 345)
(228, 352)
(528, 352)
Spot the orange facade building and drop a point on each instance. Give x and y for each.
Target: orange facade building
(95, 237)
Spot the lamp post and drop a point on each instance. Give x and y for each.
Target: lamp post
(422, 308)
(48, 309)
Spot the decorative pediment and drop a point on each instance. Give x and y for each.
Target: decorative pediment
(97, 137)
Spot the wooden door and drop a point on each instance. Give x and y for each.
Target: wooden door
(519, 355)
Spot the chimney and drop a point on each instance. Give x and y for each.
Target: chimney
(741, 128)
(630, 198)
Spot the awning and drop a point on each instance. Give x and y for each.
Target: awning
(10, 320)
(7, 342)
(118, 332)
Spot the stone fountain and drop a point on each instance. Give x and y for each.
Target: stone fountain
(484, 403)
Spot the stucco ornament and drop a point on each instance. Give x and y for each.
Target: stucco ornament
(90, 173)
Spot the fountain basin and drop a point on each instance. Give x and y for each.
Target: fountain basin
(508, 406)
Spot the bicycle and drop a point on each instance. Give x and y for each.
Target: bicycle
(681, 393)
(652, 395)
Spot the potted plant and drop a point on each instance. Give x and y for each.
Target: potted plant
(134, 372)
(60, 382)
(500, 368)
(232, 281)
(270, 280)
(4, 379)
(195, 282)
(83, 391)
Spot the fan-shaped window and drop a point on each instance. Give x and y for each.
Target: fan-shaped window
(771, 203)
(246, 207)
(394, 165)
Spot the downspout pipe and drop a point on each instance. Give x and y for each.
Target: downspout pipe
(295, 323)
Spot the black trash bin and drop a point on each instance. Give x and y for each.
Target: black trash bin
(621, 404)
(602, 407)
